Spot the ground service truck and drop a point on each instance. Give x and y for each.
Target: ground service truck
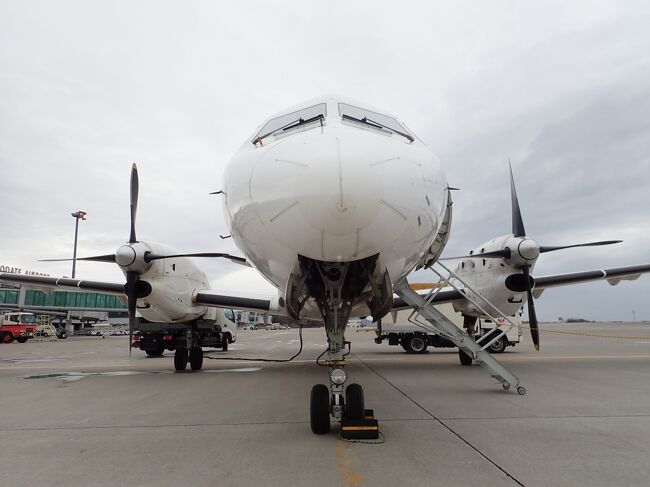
(17, 326)
(155, 338)
(398, 330)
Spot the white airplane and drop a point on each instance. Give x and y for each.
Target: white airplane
(335, 203)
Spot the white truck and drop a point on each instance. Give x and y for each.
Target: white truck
(398, 330)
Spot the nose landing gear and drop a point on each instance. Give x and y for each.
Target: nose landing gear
(356, 421)
(346, 404)
(335, 286)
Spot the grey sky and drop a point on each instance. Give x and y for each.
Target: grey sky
(562, 88)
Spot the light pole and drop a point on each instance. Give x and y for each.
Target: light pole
(77, 215)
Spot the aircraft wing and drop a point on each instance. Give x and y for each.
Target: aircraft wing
(613, 276)
(244, 303)
(203, 297)
(64, 283)
(442, 297)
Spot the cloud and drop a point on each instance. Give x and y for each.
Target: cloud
(558, 87)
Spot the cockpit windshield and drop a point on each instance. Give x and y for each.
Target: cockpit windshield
(373, 119)
(313, 114)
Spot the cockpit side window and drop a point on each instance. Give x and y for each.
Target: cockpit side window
(299, 118)
(373, 119)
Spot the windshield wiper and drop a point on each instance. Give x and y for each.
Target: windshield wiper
(372, 123)
(291, 125)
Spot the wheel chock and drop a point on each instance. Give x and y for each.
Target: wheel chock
(366, 428)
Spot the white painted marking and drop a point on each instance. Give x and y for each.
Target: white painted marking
(242, 369)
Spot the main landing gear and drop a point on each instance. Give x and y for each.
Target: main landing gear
(192, 353)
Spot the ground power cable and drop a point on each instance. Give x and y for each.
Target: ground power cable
(263, 359)
(442, 423)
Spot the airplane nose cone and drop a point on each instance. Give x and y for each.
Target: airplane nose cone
(339, 196)
(334, 193)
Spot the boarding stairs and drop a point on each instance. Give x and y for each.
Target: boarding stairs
(45, 331)
(426, 316)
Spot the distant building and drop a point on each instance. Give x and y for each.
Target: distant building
(85, 308)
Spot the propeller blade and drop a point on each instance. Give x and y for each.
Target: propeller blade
(503, 253)
(131, 283)
(149, 257)
(135, 184)
(532, 316)
(551, 248)
(518, 229)
(94, 258)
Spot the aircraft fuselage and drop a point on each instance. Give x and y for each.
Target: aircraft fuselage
(333, 190)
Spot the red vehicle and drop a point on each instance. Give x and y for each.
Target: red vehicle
(17, 326)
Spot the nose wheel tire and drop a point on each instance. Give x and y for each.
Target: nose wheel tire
(196, 358)
(319, 409)
(464, 358)
(180, 358)
(354, 402)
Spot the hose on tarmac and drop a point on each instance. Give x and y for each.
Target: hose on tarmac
(263, 359)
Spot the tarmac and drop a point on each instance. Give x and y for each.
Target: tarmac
(80, 412)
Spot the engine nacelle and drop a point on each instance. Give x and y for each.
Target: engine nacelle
(170, 283)
(497, 280)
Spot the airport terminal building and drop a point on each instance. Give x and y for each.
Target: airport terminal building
(85, 308)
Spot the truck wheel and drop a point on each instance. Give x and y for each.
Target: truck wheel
(196, 358)
(21, 340)
(7, 337)
(464, 358)
(155, 353)
(180, 358)
(499, 346)
(417, 343)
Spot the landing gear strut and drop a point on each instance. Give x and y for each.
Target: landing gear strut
(331, 285)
